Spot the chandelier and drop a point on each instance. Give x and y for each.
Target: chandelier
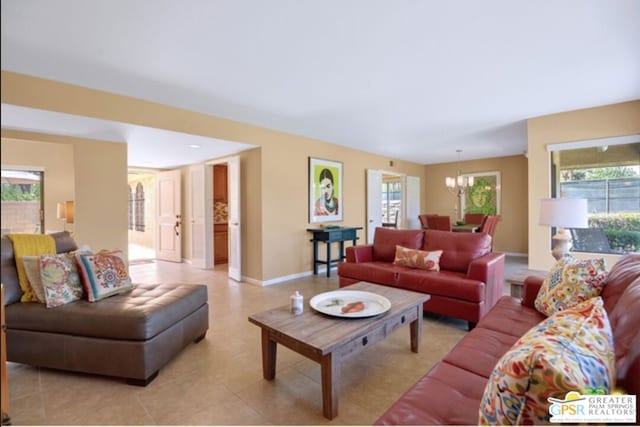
(459, 185)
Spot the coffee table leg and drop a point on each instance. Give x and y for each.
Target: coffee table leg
(269, 353)
(415, 329)
(330, 371)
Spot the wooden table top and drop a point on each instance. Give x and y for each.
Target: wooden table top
(518, 277)
(466, 228)
(323, 332)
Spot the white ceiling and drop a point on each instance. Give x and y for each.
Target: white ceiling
(407, 79)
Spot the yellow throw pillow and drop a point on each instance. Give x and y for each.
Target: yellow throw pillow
(25, 245)
(414, 258)
(570, 282)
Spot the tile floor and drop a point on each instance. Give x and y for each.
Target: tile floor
(219, 380)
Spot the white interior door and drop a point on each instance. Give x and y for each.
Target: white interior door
(200, 198)
(374, 202)
(411, 189)
(169, 216)
(235, 253)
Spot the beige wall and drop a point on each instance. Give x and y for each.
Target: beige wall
(274, 176)
(274, 190)
(90, 172)
(511, 233)
(591, 123)
(285, 195)
(57, 160)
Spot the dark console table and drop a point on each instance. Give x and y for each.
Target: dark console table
(329, 235)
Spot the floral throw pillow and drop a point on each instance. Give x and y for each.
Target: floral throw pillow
(570, 282)
(103, 274)
(569, 351)
(414, 258)
(60, 279)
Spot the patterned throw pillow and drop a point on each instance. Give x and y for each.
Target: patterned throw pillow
(570, 282)
(103, 274)
(32, 270)
(569, 351)
(414, 258)
(60, 279)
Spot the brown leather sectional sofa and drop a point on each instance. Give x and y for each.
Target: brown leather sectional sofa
(131, 335)
(469, 283)
(450, 393)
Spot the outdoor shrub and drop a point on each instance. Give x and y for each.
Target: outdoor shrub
(622, 240)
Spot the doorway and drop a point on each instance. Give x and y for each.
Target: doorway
(220, 214)
(391, 196)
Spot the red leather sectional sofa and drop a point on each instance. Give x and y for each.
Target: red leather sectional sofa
(450, 393)
(469, 283)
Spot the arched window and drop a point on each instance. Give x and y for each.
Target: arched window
(139, 209)
(130, 209)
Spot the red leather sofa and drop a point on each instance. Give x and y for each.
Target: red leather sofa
(450, 393)
(469, 283)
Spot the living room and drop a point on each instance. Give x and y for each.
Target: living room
(274, 196)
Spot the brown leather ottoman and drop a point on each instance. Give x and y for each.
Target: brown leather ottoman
(130, 335)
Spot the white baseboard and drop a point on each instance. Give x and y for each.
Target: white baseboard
(516, 254)
(321, 272)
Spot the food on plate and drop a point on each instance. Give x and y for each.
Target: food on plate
(333, 302)
(353, 307)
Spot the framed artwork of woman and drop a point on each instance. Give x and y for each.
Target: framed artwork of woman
(325, 190)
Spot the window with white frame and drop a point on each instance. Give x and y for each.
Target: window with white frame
(608, 176)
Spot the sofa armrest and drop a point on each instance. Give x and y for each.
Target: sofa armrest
(489, 269)
(531, 287)
(359, 253)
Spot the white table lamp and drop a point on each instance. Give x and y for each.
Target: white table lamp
(563, 213)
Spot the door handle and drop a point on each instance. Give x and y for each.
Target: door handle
(177, 226)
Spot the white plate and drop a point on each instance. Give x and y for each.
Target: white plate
(331, 303)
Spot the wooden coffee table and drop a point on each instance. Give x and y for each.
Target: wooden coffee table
(329, 340)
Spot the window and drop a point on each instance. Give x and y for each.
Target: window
(22, 201)
(608, 176)
(391, 199)
(139, 207)
(130, 209)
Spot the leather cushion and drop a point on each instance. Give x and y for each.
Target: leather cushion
(447, 395)
(459, 248)
(12, 291)
(137, 315)
(510, 317)
(376, 272)
(625, 319)
(444, 283)
(64, 242)
(386, 239)
(623, 272)
(480, 350)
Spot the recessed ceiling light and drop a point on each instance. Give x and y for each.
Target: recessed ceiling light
(194, 146)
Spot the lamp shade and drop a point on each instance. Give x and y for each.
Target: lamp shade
(564, 213)
(69, 212)
(61, 212)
